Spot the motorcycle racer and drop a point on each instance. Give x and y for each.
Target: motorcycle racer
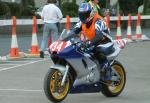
(94, 28)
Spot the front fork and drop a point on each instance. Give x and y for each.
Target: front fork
(114, 72)
(65, 75)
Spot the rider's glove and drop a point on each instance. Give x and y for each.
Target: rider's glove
(85, 45)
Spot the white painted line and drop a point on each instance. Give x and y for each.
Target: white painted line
(22, 65)
(31, 58)
(21, 90)
(8, 64)
(15, 61)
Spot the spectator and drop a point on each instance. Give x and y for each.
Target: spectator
(51, 15)
(106, 13)
(95, 6)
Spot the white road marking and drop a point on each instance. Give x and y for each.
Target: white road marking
(21, 90)
(7, 64)
(15, 61)
(31, 58)
(36, 57)
(19, 65)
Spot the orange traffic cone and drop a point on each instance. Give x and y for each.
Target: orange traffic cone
(107, 22)
(14, 51)
(118, 35)
(67, 22)
(129, 32)
(138, 28)
(34, 45)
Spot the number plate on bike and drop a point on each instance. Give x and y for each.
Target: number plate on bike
(59, 46)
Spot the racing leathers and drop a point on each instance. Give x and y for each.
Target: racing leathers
(98, 34)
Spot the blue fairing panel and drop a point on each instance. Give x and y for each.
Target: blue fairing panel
(70, 52)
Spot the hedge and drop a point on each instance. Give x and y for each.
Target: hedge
(70, 9)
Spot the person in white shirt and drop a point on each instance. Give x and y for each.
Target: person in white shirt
(51, 15)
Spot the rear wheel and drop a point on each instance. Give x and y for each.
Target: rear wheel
(114, 88)
(53, 88)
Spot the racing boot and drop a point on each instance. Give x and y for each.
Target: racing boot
(105, 67)
(41, 54)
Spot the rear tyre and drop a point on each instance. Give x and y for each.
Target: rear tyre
(52, 86)
(116, 89)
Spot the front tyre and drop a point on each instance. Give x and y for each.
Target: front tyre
(115, 88)
(52, 86)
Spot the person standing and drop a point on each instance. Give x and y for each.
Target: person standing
(95, 4)
(51, 15)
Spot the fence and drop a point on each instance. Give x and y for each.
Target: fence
(118, 19)
(73, 20)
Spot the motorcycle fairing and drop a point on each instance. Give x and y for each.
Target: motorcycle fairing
(64, 49)
(90, 88)
(87, 72)
(70, 52)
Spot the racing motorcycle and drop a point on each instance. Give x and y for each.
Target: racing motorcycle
(76, 70)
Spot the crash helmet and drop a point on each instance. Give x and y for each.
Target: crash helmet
(85, 13)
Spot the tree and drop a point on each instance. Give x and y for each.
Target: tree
(70, 9)
(102, 3)
(74, 1)
(23, 3)
(27, 2)
(28, 7)
(130, 6)
(146, 7)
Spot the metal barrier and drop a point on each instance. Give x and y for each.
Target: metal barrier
(34, 51)
(75, 19)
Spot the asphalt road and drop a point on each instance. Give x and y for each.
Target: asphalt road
(21, 81)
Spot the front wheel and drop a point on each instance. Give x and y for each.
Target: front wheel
(114, 90)
(53, 89)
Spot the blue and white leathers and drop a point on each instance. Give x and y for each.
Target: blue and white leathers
(101, 32)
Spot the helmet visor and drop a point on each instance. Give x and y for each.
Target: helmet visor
(83, 16)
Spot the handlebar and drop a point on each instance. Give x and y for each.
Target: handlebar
(83, 46)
